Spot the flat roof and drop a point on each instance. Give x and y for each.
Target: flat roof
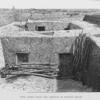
(12, 30)
(60, 21)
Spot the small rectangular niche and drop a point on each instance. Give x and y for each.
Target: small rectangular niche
(40, 28)
(22, 58)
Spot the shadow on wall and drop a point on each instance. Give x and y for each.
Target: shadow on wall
(95, 19)
(83, 65)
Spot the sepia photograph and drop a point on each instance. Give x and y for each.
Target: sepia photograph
(48, 47)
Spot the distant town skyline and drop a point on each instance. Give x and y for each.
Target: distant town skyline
(61, 4)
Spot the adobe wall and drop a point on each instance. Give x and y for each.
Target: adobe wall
(49, 26)
(43, 50)
(92, 75)
(2, 61)
(92, 19)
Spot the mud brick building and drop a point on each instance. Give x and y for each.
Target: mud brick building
(49, 43)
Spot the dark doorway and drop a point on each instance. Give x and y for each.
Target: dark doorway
(65, 65)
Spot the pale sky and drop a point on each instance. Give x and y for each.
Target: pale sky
(50, 4)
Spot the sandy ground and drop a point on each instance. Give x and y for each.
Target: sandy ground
(40, 84)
